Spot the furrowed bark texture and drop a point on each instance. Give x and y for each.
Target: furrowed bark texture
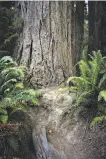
(48, 44)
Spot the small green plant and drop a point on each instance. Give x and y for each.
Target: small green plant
(97, 120)
(12, 91)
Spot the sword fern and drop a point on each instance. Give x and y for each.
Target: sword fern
(92, 78)
(12, 90)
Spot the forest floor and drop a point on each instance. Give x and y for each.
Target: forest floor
(66, 130)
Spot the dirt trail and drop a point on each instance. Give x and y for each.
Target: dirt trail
(61, 133)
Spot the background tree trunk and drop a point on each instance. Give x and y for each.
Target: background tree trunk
(97, 26)
(48, 43)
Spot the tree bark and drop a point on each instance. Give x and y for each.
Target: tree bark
(48, 42)
(97, 25)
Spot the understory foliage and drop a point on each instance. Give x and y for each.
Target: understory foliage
(10, 26)
(90, 85)
(14, 98)
(12, 92)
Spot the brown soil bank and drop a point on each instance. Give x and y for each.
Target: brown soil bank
(62, 133)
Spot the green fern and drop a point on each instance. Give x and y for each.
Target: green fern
(91, 84)
(97, 119)
(14, 72)
(3, 117)
(80, 83)
(102, 95)
(6, 62)
(14, 98)
(28, 95)
(82, 96)
(102, 81)
(14, 94)
(84, 69)
(92, 78)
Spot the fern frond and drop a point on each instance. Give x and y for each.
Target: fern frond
(8, 84)
(97, 119)
(4, 119)
(95, 73)
(82, 97)
(10, 101)
(84, 69)
(80, 83)
(3, 111)
(7, 61)
(84, 56)
(95, 67)
(102, 80)
(102, 95)
(73, 88)
(98, 57)
(3, 116)
(19, 85)
(16, 72)
(28, 95)
(14, 105)
(91, 56)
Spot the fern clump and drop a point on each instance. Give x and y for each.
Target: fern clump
(91, 81)
(14, 99)
(90, 85)
(12, 89)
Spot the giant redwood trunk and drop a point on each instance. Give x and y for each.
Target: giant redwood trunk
(48, 43)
